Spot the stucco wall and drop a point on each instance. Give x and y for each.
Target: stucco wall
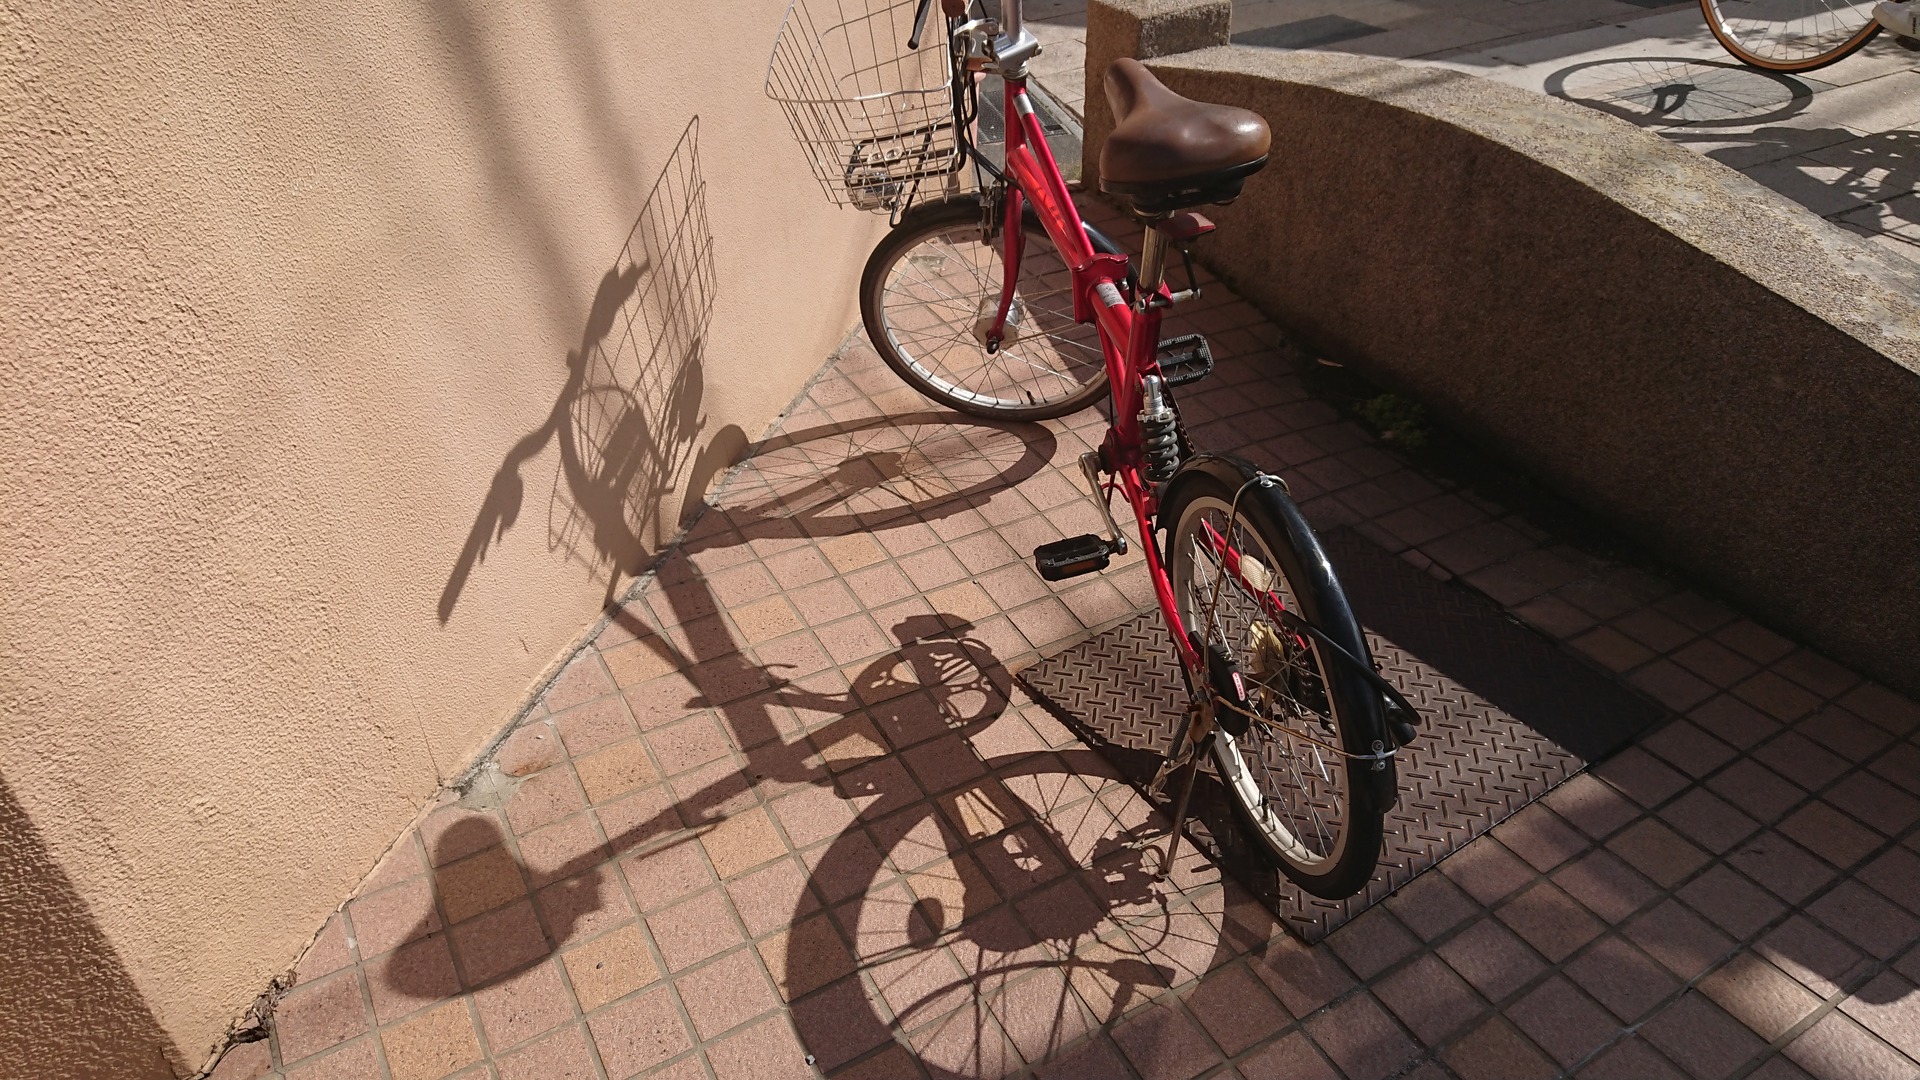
(344, 351)
(1716, 371)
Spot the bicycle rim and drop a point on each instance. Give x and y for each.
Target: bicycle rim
(1790, 35)
(929, 307)
(1297, 797)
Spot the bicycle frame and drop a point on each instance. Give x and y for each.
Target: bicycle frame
(1129, 333)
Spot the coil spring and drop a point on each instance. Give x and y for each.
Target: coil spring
(1161, 442)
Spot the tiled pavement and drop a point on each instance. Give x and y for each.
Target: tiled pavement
(789, 815)
(1840, 141)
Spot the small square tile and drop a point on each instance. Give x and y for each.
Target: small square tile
(1606, 885)
(562, 850)
(1838, 1048)
(1640, 776)
(1372, 942)
(1756, 790)
(560, 1056)
(1290, 1058)
(1492, 958)
(352, 1061)
(320, 1015)
(1622, 978)
(393, 916)
(1864, 918)
(1830, 834)
(1429, 999)
(615, 770)
(1234, 1008)
(1432, 904)
(665, 875)
(1658, 852)
(695, 929)
(1563, 1021)
(1708, 820)
(1810, 954)
(586, 728)
(638, 1033)
(1361, 1038)
(766, 1051)
(1594, 808)
(1687, 747)
(1486, 870)
(1759, 996)
(1496, 1051)
(581, 907)
(1701, 1038)
(1731, 902)
(1783, 867)
(742, 841)
(244, 1061)
(1687, 944)
(431, 1045)
(411, 977)
(544, 798)
(498, 942)
(724, 994)
(610, 966)
(1302, 977)
(515, 1009)
(1550, 920)
(1163, 1044)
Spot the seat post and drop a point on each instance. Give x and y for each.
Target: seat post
(1153, 257)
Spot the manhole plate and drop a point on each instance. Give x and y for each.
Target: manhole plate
(1507, 717)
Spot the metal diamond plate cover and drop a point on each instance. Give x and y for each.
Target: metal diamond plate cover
(1506, 716)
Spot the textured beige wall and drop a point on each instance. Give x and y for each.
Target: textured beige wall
(336, 371)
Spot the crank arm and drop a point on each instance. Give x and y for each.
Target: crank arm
(1090, 468)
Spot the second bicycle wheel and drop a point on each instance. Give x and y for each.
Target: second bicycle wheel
(1237, 554)
(1790, 35)
(933, 284)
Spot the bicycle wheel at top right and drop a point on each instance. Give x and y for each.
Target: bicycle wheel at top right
(1294, 764)
(1790, 35)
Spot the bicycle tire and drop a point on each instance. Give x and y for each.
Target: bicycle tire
(1778, 43)
(1067, 373)
(1342, 798)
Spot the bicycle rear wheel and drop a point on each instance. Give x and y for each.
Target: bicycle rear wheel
(930, 286)
(1236, 553)
(1790, 35)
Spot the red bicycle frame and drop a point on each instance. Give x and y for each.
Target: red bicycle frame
(1129, 333)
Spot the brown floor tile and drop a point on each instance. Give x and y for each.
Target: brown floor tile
(393, 916)
(583, 680)
(1432, 904)
(1754, 641)
(1302, 977)
(1687, 944)
(544, 798)
(562, 850)
(1492, 958)
(1816, 958)
(695, 929)
(244, 1061)
(806, 957)
(1756, 790)
(1372, 942)
(1429, 999)
(1658, 852)
(1622, 978)
(665, 875)
(725, 993)
(1291, 1058)
(478, 883)
(965, 1043)
(1496, 1051)
(320, 1015)
(1894, 712)
(1550, 920)
(1830, 834)
(1040, 1015)
(1541, 837)
(610, 966)
(1361, 1038)
(1755, 993)
(1838, 1048)
(518, 1008)
(1896, 874)
(328, 953)
(741, 842)
(1871, 923)
(560, 1056)
(766, 1051)
(1564, 1022)
(615, 770)
(1871, 800)
(1235, 1009)
(1698, 1036)
(1672, 685)
(1486, 870)
(1606, 885)
(1687, 747)
(431, 1045)
(1783, 867)
(499, 942)
(638, 1032)
(581, 907)
(1163, 1044)
(354, 1061)
(1591, 806)
(411, 977)
(1640, 776)
(586, 728)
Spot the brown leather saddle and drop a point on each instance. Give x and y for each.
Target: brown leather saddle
(1170, 153)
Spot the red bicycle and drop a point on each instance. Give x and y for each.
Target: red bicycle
(1001, 302)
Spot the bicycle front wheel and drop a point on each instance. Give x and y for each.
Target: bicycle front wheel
(1790, 35)
(1238, 554)
(930, 290)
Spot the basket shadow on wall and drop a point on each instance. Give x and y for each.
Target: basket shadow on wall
(627, 421)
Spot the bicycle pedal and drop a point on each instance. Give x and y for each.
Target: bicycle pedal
(1185, 359)
(1072, 557)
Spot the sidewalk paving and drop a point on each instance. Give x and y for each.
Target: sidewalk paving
(789, 815)
(1839, 141)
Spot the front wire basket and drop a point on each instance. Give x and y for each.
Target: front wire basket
(874, 117)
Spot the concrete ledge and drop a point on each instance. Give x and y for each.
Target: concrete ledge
(1731, 380)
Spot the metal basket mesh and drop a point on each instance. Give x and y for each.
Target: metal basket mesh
(872, 115)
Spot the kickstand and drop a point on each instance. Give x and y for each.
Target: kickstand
(1186, 753)
(1180, 816)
